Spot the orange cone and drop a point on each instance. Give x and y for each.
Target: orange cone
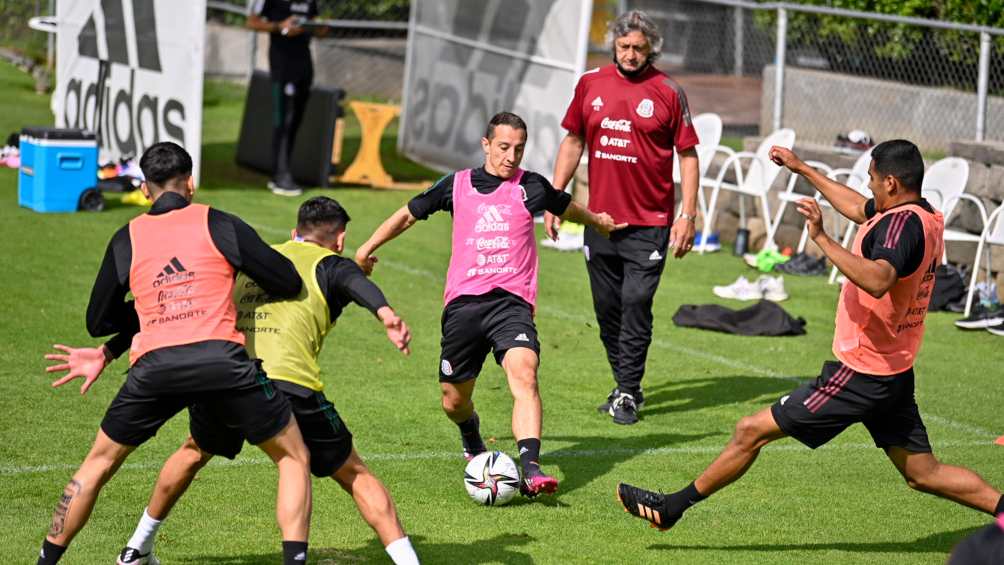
(1000, 441)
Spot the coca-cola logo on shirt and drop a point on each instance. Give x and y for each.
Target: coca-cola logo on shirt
(616, 125)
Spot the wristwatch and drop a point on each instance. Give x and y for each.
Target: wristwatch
(687, 216)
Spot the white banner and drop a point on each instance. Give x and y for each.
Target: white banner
(467, 61)
(154, 87)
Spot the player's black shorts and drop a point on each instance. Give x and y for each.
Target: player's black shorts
(217, 375)
(328, 439)
(474, 325)
(817, 412)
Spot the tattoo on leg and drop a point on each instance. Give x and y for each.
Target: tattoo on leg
(59, 516)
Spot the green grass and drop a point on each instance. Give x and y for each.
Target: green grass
(843, 503)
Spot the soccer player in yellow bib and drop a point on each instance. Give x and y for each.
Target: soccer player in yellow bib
(287, 336)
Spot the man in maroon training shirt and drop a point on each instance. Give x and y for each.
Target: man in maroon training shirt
(632, 117)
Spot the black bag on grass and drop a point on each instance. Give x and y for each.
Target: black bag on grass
(949, 286)
(762, 319)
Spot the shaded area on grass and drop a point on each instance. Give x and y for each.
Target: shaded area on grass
(697, 394)
(591, 457)
(940, 542)
(498, 549)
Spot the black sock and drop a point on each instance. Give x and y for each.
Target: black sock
(470, 431)
(294, 552)
(50, 553)
(529, 454)
(681, 500)
(1000, 506)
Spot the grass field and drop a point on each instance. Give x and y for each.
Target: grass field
(843, 503)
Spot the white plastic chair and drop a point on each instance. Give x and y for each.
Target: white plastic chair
(709, 134)
(947, 178)
(857, 178)
(993, 233)
(755, 180)
(789, 196)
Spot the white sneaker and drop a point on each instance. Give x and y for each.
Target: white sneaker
(772, 287)
(566, 242)
(742, 289)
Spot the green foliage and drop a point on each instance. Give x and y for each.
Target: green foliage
(14, 30)
(910, 53)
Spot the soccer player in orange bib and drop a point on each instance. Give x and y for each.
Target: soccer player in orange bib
(179, 261)
(879, 329)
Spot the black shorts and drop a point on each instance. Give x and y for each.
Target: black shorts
(817, 412)
(325, 434)
(217, 375)
(474, 325)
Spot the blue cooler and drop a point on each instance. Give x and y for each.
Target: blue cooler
(57, 165)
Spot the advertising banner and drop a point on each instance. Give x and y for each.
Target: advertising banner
(153, 85)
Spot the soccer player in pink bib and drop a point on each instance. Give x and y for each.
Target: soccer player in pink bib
(491, 285)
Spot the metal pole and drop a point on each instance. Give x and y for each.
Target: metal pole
(981, 86)
(254, 45)
(782, 32)
(737, 55)
(50, 48)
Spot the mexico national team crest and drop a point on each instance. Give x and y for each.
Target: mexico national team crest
(645, 108)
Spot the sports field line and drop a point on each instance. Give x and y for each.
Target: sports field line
(9, 470)
(723, 360)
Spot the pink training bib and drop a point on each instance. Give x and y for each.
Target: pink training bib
(493, 241)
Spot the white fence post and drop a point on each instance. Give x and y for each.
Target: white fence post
(981, 86)
(782, 32)
(253, 44)
(737, 49)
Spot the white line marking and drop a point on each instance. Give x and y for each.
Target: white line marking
(9, 470)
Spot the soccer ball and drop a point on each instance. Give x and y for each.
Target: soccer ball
(491, 478)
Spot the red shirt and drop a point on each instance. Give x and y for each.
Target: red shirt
(631, 126)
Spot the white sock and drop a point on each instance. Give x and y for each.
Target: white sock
(401, 552)
(146, 531)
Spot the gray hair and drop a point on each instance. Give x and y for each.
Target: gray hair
(636, 20)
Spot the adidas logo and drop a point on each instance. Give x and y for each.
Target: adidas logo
(655, 256)
(174, 271)
(522, 337)
(491, 221)
(523, 450)
(597, 103)
(302, 556)
(113, 38)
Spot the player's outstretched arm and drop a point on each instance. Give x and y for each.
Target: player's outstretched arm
(569, 153)
(86, 362)
(397, 331)
(601, 222)
(874, 277)
(849, 202)
(388, 230)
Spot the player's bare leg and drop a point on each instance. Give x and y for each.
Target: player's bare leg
(371, 498)
(752, 433)
(292, 508)
(459, 407)
(520, 365)
(173, 481)
(80, 494)
(925, 473)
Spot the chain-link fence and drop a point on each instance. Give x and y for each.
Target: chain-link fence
(840, 71)
(362, 52)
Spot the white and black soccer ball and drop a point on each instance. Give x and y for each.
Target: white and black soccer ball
(491, 478)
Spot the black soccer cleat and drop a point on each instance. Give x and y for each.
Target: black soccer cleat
(624, 410)
(646, 505)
